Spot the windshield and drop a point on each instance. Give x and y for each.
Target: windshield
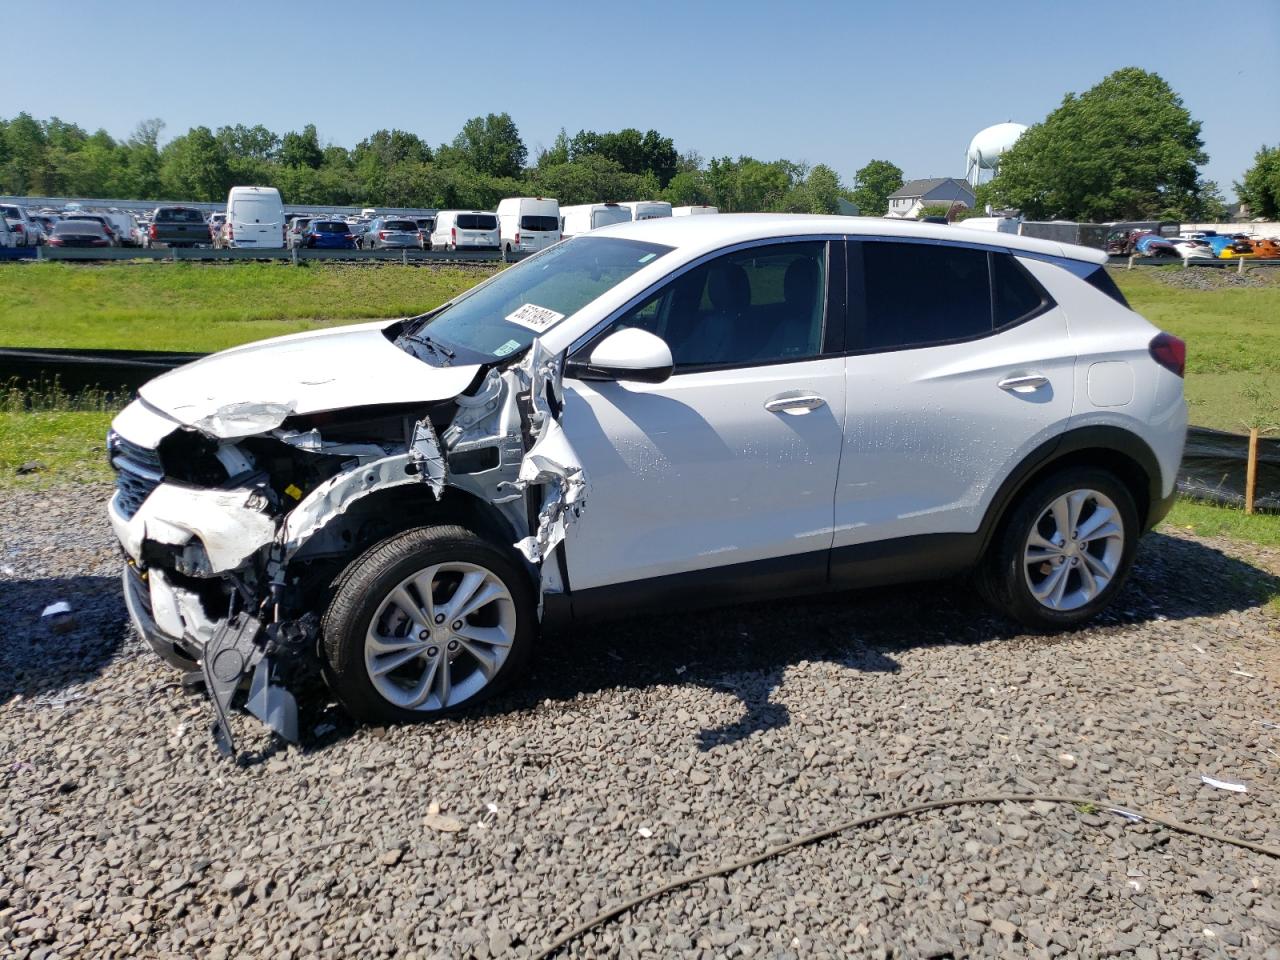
(476, 221)
(504, 315)
(537, 224)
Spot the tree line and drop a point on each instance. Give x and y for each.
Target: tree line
(1126, 148)
(486, 161)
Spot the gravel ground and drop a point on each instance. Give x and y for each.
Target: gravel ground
(1215, 278)
(641, 751)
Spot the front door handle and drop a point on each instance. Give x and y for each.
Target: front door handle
(795, 403)
(1023, 382)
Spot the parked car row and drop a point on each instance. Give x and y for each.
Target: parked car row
(255, 219)
(1191, 245)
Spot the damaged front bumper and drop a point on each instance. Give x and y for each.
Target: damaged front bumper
(208, 566)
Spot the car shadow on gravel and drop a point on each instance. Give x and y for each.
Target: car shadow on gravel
(41, 658)
(745, 650)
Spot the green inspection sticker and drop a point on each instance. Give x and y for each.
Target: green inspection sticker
(506, 348)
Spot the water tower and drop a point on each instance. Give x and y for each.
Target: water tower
(985, 149)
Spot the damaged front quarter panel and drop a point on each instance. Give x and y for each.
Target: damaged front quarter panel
(504, 445)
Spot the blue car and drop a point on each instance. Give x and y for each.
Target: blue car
(1219, 243)
(330, 235)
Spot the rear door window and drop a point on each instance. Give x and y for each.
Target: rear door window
(916, 294)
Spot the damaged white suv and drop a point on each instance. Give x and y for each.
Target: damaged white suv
(692, 410)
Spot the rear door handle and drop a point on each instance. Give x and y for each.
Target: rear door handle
(1023, 382)
(794, 403)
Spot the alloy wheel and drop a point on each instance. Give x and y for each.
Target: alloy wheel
(440, 636)
(1073, 551)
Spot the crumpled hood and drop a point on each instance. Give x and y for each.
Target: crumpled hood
(253, 388)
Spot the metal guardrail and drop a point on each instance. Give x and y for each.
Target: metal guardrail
(297, 255)
(1239, 263)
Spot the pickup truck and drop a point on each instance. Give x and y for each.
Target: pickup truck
(178, 227)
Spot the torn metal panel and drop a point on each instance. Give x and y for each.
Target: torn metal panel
(235, 420)
(310, 441)
(336, 495)
(424, 447)
(551, 461)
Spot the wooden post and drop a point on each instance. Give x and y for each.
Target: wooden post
(1251, 471)
(1132, 257)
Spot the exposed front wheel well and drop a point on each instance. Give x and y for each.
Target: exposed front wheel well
(386, 514)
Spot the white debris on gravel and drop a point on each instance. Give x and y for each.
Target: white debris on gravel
(124, 833)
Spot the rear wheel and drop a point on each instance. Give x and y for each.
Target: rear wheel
(1064, 551)
(427, 623)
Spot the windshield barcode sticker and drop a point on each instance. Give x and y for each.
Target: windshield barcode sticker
(536, 318)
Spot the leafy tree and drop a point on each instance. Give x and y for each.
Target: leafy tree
(593, 179)
(256, 142)
(194, 167)
(26, 167)
(687, 188)
(492, 145)
(633, 151)
(1260, 188)
(1124, 149)
(142, 160)
(872, 185)
(302, 149)
(558, 153)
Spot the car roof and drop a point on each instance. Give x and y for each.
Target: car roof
(696, 234)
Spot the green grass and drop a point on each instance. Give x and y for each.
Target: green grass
(206, 307)
(69, 443)
(1210, 520)
(1233, 345)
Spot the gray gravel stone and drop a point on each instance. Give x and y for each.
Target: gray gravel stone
(123, 830)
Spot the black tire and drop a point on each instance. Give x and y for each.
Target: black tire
(1001, 578)
(360, 590)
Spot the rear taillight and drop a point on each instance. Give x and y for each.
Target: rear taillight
(382, 234)
(348, 236)
(18, 228)
(1170, 352)
(517, 239)
(453, 234)
(231, 234)
(151, 231)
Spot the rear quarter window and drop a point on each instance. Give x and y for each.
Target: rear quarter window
(1101, 280)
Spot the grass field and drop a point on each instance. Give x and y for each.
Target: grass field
(1233, 335)
(1233, 344)
(206, 307)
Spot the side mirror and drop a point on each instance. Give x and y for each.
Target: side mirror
(630, 354)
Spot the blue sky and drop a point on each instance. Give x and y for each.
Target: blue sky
(837, 83)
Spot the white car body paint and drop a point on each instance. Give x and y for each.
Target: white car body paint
(341, 367)
(929, 434)
(695, 473)
(640, 480)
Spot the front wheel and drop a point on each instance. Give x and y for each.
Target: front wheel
(427, 623)
(1064, 551)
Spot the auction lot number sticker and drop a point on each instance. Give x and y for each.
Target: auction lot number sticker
(536, 318)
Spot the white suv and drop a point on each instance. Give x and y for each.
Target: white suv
(688, 410)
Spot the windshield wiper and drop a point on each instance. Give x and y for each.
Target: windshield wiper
(431, 345)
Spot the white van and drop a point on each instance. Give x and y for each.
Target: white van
(648, 209)
(466, 230)
(255, 218)
(693, 211)
(587, 216)
(527, 224)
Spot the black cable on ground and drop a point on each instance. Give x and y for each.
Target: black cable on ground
(618, 909)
